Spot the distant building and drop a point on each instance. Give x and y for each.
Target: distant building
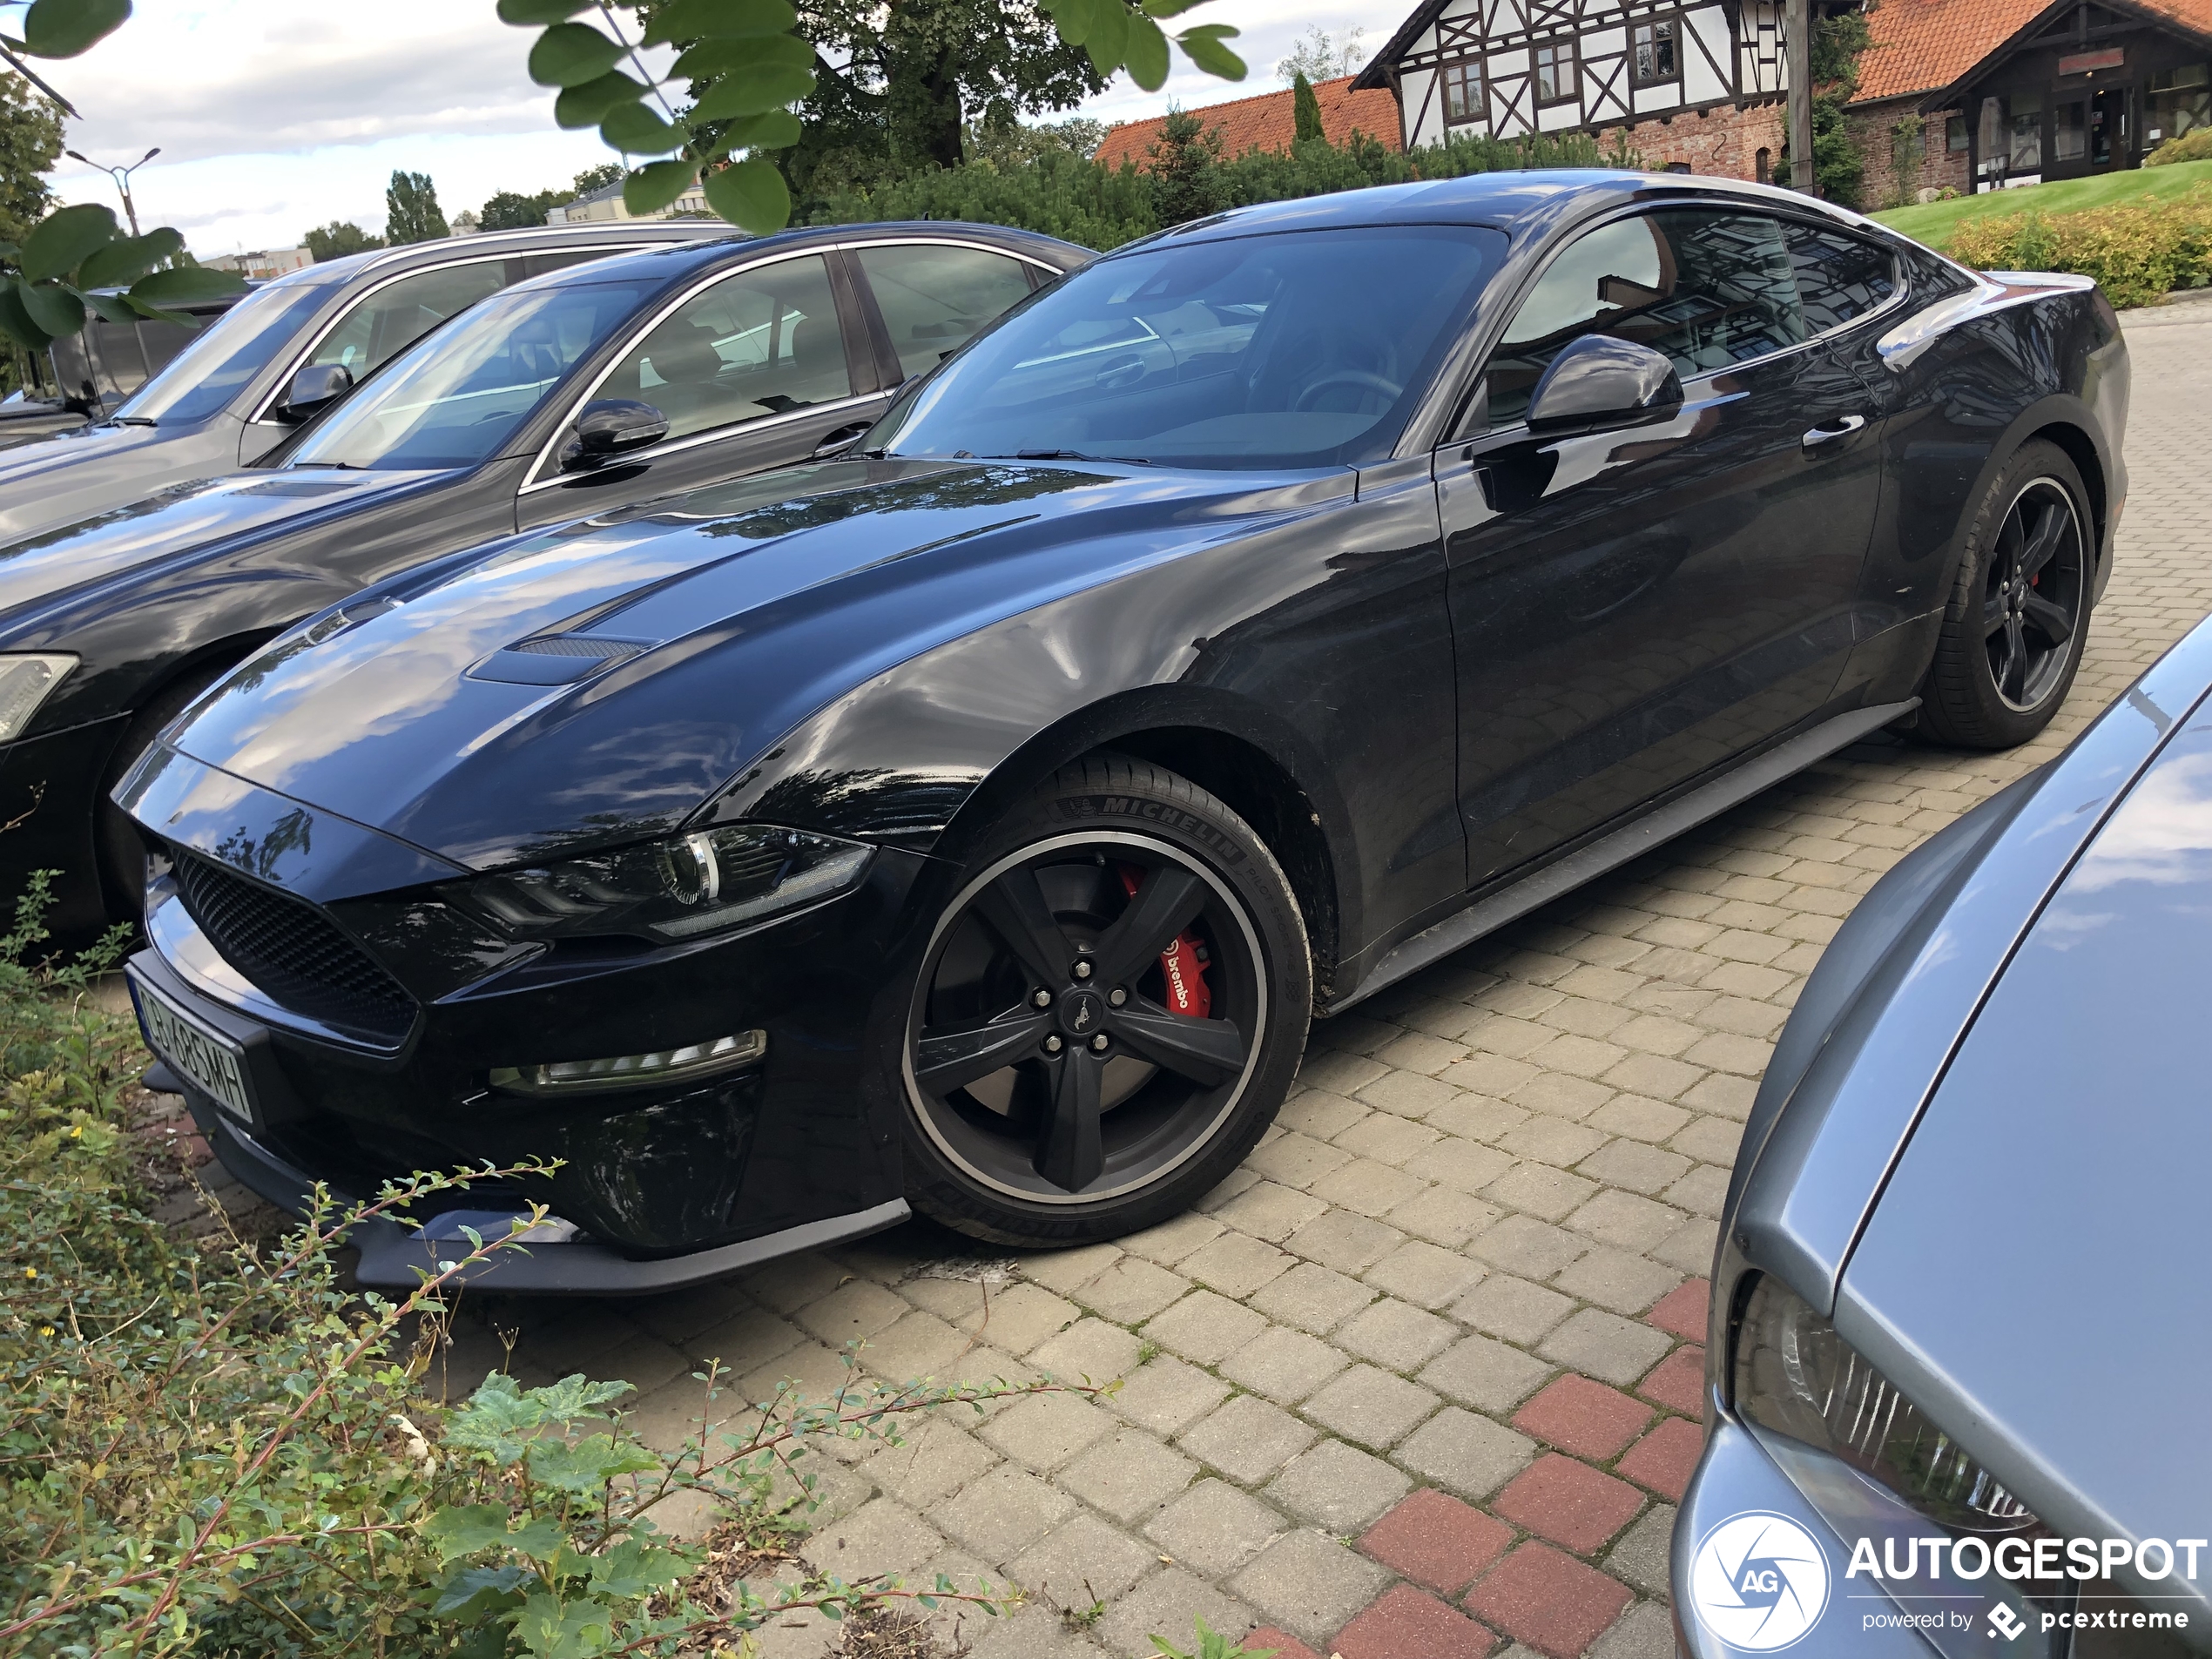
(264, 264)
(1268, 122)
(606, 202)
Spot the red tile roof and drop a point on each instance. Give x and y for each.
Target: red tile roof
(1267, 122)
(1923, 46)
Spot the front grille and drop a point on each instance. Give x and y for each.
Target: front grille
(292, 952)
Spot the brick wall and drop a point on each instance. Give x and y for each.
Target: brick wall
(1933, 165)
(1721, 143)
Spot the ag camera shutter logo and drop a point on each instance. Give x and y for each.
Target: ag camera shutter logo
(1758, 1582)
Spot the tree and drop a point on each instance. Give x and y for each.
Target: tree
(411, 210)
(1319, 57)
(1024, 143)
(31, 142)
(1839, 169)
(338, 238)
(1305, 109)
(1185, 164)
(509, 211)
(591, 178)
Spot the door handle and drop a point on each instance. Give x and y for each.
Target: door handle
(1841, 427)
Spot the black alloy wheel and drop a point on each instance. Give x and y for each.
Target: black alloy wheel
(1104, 1022)
(2013, 633)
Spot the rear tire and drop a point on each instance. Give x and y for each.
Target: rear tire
(2018, 614)
(1109, 1105)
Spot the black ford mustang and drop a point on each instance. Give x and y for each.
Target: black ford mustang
(973, 821)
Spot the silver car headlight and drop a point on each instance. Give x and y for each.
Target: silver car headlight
(1794, 1375)
(26, 678)
(672, 890)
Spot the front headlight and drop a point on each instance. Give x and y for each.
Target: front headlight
(1793, 1374)
(25, 679)
(674, 889)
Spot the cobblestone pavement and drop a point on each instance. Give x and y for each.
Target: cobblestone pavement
(1421, 1379)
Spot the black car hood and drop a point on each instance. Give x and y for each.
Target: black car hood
(748, 606)
(2035, 1274)
(183, 520)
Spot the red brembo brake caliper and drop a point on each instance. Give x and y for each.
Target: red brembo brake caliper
(1183, 964)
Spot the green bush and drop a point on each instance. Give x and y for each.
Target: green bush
(2136, 250)
(2191, 146)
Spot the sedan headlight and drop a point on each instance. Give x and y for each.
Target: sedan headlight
(675, 889)
(1793, 1374)
(25, 679)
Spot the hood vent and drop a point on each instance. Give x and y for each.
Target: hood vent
(557, 660)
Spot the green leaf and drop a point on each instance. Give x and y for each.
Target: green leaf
(635, 129)
(585, 1465)
(458, 1530)
(155, 313)
(1147, 53)
(64, 28)
(753, 90)
(752, 195)
(719, 20)
(712, 57)
(1203, 46)
(593, 102)
(15, 320)
(633, 1569)
(1073, 18)
(64, 240)
(111, 307)
(568, 54)
(1108, 43)
(185, 288)
(471, 1592)
(56, 309)
(128, 259)
(530, 14)
(1170, 8)
(775, 130)
(549, 1630)
(541, 1538)
(655, 185)
(501, 1417)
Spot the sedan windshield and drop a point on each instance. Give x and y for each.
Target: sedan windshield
(225, 354)
(1294, 349)
(458, 395)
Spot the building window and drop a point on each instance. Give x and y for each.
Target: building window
(2023, 132)
(1763, 167)
(1462, 90)
(2180, 101)
(1954, 133)
(1657, 58)
(1556, 73)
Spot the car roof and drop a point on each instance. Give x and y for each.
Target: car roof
(1518, 202)
(684, 258)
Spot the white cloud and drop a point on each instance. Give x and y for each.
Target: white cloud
(276, 115)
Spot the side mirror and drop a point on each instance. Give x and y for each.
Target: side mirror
(610, 426)
(1599, 380)
(313, 390)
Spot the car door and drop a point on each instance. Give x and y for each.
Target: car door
(753, 369)
(385, 319)
(932, 297)
(1633, 607)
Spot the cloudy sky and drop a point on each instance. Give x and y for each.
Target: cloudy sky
(276, 115)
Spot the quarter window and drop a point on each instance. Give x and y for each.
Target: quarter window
(1556, 82)
(1462, 90)
(1839, 277)
(1708, 288)
(1656, 56)
(383, 324)
(934, 297)
(765, 341)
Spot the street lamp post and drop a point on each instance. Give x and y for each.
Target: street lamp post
(122, 177)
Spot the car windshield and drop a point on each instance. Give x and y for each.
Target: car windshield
(457, 396)
(1294, 349)
(225, 354)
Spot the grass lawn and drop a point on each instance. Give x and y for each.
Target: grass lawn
(1935, 223)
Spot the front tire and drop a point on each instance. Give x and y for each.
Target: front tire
(2013, 631)
(1109, 1014)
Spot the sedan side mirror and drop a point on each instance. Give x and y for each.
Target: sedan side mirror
(313, 390)
(1599, 380)
(610, 426)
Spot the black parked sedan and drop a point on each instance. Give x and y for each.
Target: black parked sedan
(1959, 1318)
(570, 393)
(229, 397)
(973, 822)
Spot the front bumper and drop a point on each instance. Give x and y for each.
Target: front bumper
(668, 1185)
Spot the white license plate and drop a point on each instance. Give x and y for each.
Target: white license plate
(213, 1064)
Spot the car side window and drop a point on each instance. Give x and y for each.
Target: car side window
(765, 341)
(935, 298)
(383, 324)
(1707, 286)
(1839, 277)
